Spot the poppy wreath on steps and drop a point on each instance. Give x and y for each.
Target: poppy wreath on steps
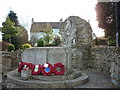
(21, 65)
(24, 66)
(47, 71)
(62, 70)
(36, 69)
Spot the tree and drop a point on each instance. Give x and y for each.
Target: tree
(13, 17)
(21, 38)
(9, 30)
(107, 19)
(48, 34)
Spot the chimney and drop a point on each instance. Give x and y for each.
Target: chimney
(32, 20)
(61, 20)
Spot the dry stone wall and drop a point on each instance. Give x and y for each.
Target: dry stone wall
(10, 60)
(0, 62)
(106, 59)
(6, 62)
(15, 59)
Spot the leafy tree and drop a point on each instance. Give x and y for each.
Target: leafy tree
(9, 30)
(13, 17)
(106, 18)
(48, 34)
(0, 29)
(21, 37)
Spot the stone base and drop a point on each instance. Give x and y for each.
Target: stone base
(70, 76)
(15, 81)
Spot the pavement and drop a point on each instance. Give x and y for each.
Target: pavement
(97, 79)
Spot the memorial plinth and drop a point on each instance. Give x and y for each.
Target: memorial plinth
(52, 55)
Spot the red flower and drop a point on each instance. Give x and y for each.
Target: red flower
(37, 72)
(61, 72)
(49, 72)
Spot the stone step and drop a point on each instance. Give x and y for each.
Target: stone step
(15, 82)
(70, 76)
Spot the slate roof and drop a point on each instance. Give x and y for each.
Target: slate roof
(39, 26)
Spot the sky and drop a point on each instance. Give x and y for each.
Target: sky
(50, 11)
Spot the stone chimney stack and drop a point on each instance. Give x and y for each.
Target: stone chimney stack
(61, 20)
(32, 20)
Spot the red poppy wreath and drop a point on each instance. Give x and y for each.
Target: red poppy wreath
(47, 69)
(24, 66)
(36, 69)
(20, 67)
(62, 70)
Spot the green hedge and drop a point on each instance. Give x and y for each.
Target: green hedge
(24, 46)
(10, 47)
(40, 43)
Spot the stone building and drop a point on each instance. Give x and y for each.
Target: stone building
(37, 29)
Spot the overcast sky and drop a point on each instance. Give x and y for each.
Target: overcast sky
(49, 11)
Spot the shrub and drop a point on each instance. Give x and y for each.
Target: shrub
(53, 44)
(24, 46)
(10, 47)
(57, 41)
(111, 43)
(40, 43)
(96, 41)
(100, 41)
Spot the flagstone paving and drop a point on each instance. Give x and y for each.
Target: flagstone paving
(96, 80)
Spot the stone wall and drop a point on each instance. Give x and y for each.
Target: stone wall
(106, 59)
(6, 62)
(10, 60)
(0, 62)
(101, 58)
(15, 59)
(81, 57)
